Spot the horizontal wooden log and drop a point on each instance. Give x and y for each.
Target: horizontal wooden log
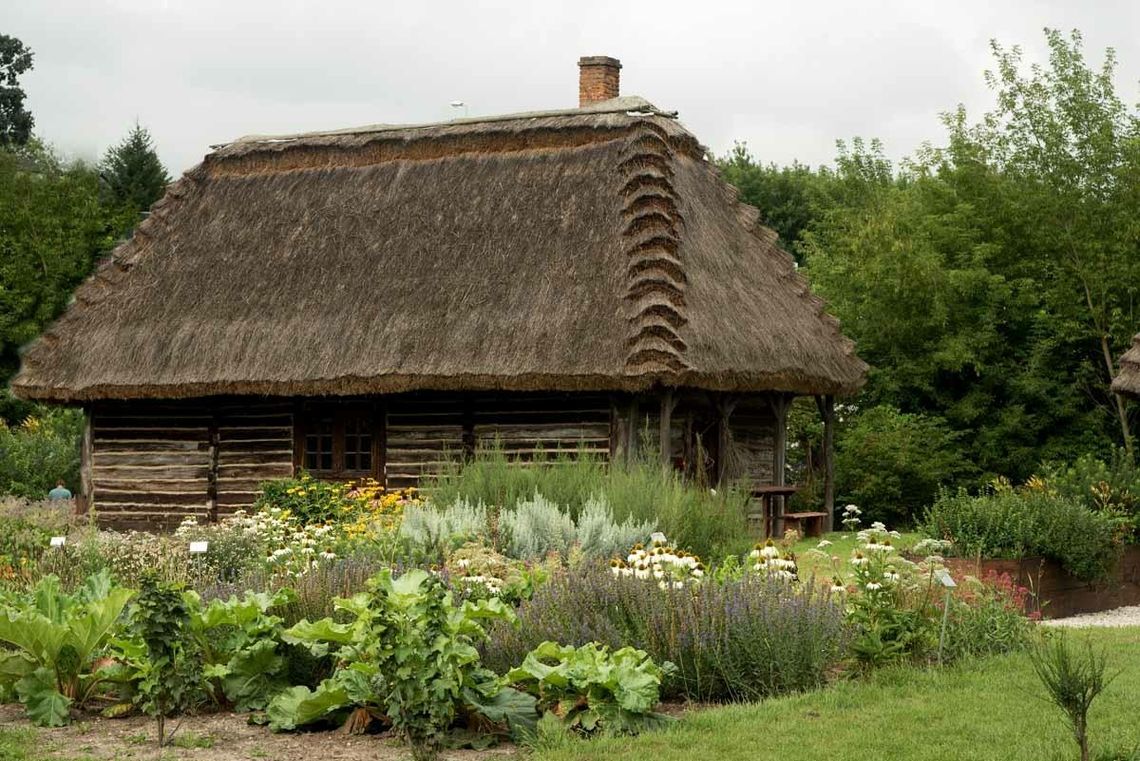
(112, 499)
(155, 435)
(147, 472)
(134, 459)
(278, 433)
(228, 456)
(263, 471)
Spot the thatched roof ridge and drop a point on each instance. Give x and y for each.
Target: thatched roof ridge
(592, 249)
(1127, 381)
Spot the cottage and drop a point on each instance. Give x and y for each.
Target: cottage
(1127, 381)
(372, 302)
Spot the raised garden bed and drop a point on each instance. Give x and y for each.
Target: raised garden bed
(1055, 592)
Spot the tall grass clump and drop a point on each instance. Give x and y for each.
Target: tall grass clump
(740, 640)
(1016, 523)
(707, 522)
(437, 530)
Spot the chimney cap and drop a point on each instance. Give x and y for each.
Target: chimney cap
(599, 60)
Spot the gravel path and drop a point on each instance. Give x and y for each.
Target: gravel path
(1128, 616)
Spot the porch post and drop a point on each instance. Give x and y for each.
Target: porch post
(780, 403)
(826, 405)
(725, 405)
(632, 434)
(85, 501)
(668, 404)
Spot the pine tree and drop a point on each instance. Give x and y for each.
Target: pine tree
(131, 171)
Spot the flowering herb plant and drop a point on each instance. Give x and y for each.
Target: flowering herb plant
(670, 567)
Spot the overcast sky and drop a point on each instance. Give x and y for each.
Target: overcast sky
(788, 77)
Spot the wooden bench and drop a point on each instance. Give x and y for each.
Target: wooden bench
(810, 524)
(764, 521)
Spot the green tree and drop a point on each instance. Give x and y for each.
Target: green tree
(990, 282)
(132, 172)
(789, 198)
(54, 230)
(15, 120)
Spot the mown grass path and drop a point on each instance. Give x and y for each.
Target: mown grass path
(982, 711)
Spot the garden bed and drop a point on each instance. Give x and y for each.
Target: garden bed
(1057, 593)
(211, 737)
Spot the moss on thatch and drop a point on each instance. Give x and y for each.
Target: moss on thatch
(588, 249)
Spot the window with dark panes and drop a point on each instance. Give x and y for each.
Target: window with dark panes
(339, 442)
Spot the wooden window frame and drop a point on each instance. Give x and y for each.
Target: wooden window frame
(304, 419)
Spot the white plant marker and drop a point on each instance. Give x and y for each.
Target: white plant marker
(58, 541)
(198, 547)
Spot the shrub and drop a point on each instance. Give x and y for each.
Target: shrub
(1111, 487)
(1072, 681)
(708, 522)
(407, 654)
(591, 689)
(599, 535)
(172, 674)
(536, 527)
(41, 450)
(58, 641)
(987, 617)
(891, 463)
(1015, 523)
(308, 499)
(741, 640)
(440, 530)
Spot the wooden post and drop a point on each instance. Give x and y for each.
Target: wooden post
(826, 405)
(780, 403)
(668, 404)
(212, 473)
(85, 502)
(632, 433)
(725, 406)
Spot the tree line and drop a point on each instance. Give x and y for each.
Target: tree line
(990, 280)
(58, 217)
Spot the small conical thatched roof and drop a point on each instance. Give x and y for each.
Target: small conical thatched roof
(588, 249)
(1128, 379)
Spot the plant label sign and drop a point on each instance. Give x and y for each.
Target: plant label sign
(944, 577)
(58, 541)
(198, 547)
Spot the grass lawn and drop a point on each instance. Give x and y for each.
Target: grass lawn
(986, 710)
(17, 744)
(842, 544)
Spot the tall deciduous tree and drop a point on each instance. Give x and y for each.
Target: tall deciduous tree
(132, 172)
(54, 229)
(15, 121)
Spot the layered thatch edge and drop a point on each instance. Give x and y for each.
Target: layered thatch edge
(322, 148)
(1127, 381)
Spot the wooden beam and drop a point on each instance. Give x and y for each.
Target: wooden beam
(632, 432)
(668, 404)
(780, 403)
(212, 473)
(725, 404)
(86, 498)
(826, 406)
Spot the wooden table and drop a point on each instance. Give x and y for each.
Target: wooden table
(766, 494)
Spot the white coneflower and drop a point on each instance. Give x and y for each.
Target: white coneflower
(873, 585)
(823, 543)
(860, 559)
(326, 555)
(891, 575)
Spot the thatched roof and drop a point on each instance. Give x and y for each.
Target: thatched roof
(594, 248)
(1128, 379)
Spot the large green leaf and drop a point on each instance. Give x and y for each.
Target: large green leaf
(33, 633)
(508, 707)
(43, 702)
(298, 706)
(307, 632)
(253, 675)
(90, 629)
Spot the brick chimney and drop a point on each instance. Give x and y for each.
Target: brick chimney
(598, 79)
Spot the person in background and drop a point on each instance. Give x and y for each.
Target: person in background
(59, 492)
